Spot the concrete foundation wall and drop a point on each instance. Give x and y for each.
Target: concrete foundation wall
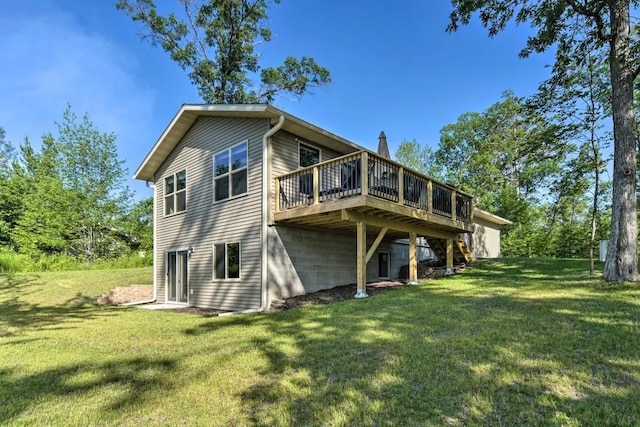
(303, 260)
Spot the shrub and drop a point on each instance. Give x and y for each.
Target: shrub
(12, 262)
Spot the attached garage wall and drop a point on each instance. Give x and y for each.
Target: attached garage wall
(486, 239)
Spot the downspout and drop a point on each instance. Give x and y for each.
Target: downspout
(155, 235)
(263, 230)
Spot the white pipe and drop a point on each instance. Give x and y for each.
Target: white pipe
(266, 187)
(155, 235)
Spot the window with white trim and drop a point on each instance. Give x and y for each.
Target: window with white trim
(226, 258)
(230, 169)
(308, 155)
(175, 193)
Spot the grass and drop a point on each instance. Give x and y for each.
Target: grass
(509, 342)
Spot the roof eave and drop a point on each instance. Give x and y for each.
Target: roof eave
(188, 113)
(488, 216)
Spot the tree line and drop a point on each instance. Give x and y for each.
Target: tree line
(541, 162)
(67, 205)
(540, 173)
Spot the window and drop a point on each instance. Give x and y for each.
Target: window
(175, 193)
(230, 172)
(226, 258)
(383, 265)
(308, 155)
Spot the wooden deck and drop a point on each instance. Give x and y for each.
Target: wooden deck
(335, 194)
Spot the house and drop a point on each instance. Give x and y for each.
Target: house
(252, 204)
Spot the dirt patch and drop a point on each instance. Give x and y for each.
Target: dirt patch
(126, 294)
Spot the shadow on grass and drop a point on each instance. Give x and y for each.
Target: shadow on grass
(17, 284)
(18, 316)
(131, 380)
(434, 354)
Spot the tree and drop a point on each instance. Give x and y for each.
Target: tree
(576, 27)
(580, 97)
(215, 42)
(6, 155)
(6, 201)
(514, 148)
(90, 170)
(506, 157)
(422, 159)
(138, 224)
(46, 224)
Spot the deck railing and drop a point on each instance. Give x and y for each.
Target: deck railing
(343, 177)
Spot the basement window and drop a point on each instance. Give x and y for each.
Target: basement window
(226, 258)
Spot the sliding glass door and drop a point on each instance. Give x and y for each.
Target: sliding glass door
(177, 279)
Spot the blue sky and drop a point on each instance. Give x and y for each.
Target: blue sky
(394, 68)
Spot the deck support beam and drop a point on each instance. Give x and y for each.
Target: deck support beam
(413, 259)
(449, 256)
(352, 215)
(376, 243)
(361, 237)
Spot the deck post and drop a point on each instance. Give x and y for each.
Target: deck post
(364, 173)
(430, 196)
(472, 208)
(413, 259)
(316, 186)
(401, 185)
(361, 237)
(454, 199)
(450, 256)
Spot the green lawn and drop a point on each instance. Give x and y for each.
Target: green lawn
(510, 342)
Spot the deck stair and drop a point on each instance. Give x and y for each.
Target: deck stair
(461, 253)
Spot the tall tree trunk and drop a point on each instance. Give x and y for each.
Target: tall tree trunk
(622, 262)
(595, 152)
(594, 208)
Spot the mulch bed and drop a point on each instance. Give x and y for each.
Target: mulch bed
(327, 296)
(195, 310)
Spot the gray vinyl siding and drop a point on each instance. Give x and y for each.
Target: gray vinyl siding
(205, 222)
(485, 241)
(304, 260)
(285, 158)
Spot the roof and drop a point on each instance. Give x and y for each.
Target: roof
(188, 113)
(488, 216)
